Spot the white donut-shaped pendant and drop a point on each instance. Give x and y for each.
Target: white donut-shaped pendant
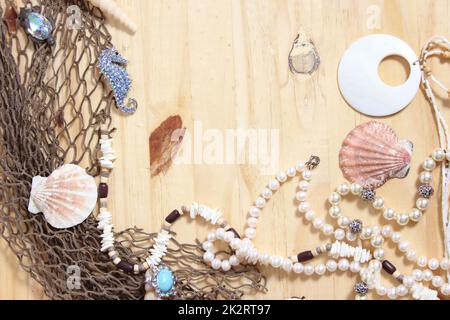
(360, 83)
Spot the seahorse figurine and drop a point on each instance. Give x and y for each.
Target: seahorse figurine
(111, 65)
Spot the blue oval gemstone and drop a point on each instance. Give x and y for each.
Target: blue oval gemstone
(38, 26)
(165, 280)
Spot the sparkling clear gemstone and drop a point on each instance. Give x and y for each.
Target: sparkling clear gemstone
(38, 26)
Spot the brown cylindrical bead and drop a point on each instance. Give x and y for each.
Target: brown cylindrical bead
(125, 266)
(236, 234)
(103, 190)
(389, 267)
(173, 216)
(305, 256)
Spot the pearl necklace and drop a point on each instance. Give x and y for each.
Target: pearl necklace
(246, 252)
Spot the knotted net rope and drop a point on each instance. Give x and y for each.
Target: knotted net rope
(52, 102)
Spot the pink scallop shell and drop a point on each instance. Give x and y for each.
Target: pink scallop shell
(371, 154)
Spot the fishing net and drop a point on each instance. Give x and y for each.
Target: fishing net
(52, 102)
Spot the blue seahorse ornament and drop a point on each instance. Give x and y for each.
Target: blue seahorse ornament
(112, 66)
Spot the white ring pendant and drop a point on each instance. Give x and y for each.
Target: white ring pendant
(360, 83)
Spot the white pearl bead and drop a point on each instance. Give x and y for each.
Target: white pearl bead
(439, 155)
(303, 207)
(331, 266)
(403, 219)
(211, 236)
(422, 262)
(350, 236)
(377, 241)
(291, 172)
(298, 268)
(308, 270)
(343, 221)
(220, 233)
(381, 291)
(260, 202)
(378, 203)
(343, 264)
(226, 266)
(343, 189)
(422, 204)
(252, 222)
(429, 164)
(433, 264)
(387, 231)
(339, 234)
(366, 233)
(310, 216)
(375, 265)
(355, 189)
(396, 237)
(334, 198)
(307, 175)
(229, 235)
(327, 229)
(255, 212)
(264, 258)
(276, 261)
(234, 261)
(334, 212)
(415, 215)
(267, 193)
(208, 256)
(445, 289)
(425, 177)
(411, 255)
(274, 185)
(445, 264)
(376, 230)
(282, 177)
(320, 269)
(361, 298)
(253, 256)
(379, 254)
(250, 233)
(235, 243)
(427, 275)
(392, 293)
(368, 278)
(417, 275)
(216, 264)
(300, 166)
(207, 246)
(403, 246)
(287, 265)
(437, 281)
(389, 214)
(303, 185)
(318, 223)
(301, 196)
(402, 291)
(355, 267)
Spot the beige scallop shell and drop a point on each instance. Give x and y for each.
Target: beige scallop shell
(66, 198)
(372, 154)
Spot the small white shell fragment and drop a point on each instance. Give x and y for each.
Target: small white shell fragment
(303, 58)
(66, 198)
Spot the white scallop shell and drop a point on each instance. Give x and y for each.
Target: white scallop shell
(66, 198)
(371, 154)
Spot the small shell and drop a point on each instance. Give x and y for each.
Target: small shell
(372, 154)
(66, 198)
(113, 11)
(303, 58)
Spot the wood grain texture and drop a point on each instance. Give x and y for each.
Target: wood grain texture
(224, 63)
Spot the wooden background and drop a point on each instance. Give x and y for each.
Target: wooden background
(224, 63)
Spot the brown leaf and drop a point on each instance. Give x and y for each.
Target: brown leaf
(165, 141)
(10, 18)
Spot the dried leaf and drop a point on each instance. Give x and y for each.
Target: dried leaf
(165, 141)
(10, 18)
